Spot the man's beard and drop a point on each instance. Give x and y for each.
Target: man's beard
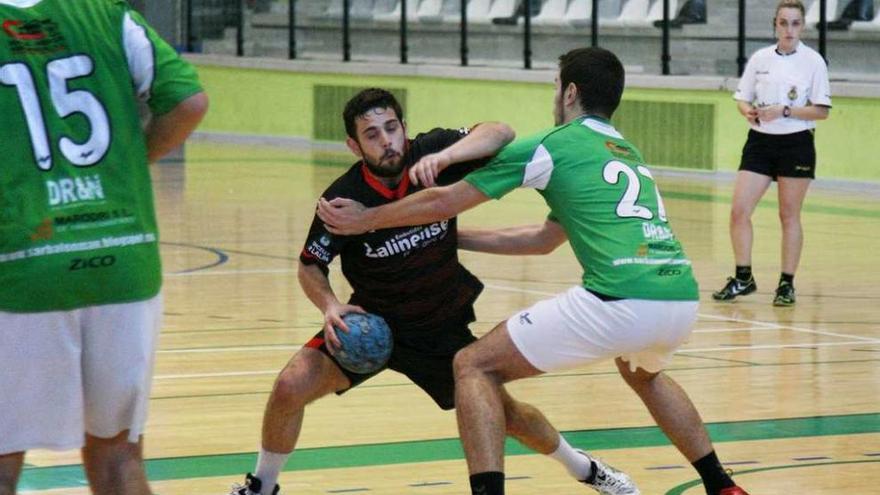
(388, 171)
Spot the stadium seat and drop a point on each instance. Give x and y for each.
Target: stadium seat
(477, 12)
(832, 13)
(393, 15)
(579, 12)
(552, 13)
(358, 9)
(655, 12)
(873, 25)
(633, 13)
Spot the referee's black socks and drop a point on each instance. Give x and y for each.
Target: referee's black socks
(743, 273)
(488, 483)
(715, 478)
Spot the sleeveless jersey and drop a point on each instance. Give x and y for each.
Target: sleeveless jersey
(77, 224)
(605, 199)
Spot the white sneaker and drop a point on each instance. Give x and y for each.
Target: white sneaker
(607, 480)
(252, 486)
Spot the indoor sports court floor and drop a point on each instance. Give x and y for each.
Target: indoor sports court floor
(791, 396)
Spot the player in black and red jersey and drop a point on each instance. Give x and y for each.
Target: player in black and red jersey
(411, 276)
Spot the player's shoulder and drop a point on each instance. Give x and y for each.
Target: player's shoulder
(811, 55)
(347, 185)
(766, 53)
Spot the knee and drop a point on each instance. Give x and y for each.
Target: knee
(638, 380)
(790, 217)
(740, 215)
(464, 363)
(292, 388)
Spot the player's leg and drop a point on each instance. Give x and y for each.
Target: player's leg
(308, 376)
(749, 188)
(10, 470)
(747, 191)
(671, 408)
(667, 402)
(792, 191)
(40, 386)
(115, 465)
(480, 371)
(531, 428)
(119, 346)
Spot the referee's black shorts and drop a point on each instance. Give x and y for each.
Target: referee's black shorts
(780, 155)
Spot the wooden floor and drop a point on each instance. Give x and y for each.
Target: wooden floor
(792, 396)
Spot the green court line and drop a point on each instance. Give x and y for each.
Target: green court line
(445, 449)
(680, 489)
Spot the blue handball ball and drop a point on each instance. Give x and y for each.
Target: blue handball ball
(367, 345)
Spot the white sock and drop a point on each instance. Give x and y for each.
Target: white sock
(269, 466)
(577, 464)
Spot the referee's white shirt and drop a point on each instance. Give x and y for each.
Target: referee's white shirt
(797, 80)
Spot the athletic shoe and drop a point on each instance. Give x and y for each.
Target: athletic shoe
(733, 490)
(607, 480)
(784, 295)
(735, 287)
(252, 486)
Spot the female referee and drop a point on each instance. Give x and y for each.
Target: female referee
(782, 92)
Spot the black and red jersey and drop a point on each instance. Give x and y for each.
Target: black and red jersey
(411, 275)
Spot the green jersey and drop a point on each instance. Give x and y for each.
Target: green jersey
(77, 223)
(606, 200)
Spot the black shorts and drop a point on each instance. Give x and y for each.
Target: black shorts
(780, 155)
(425, 357)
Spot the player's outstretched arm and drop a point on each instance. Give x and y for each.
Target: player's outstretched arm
(316, 285)
(524, 239)
(169, 130)
(348, 217)
(484, 140)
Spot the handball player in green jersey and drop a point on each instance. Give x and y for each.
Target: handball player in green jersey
(80, 302)
(637, 301)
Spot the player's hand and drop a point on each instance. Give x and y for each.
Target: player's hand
(333, 320)
(771, 113)
(426, 170)
(343, 216)
(752, 116)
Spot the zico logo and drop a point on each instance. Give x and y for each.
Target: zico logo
(95, 262)
(23, 31)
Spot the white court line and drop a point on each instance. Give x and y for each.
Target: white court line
(789, 327)
(759, 325)
(222, 273)
(727, 330)
(232, 349)
(214, 375)
(773, 346)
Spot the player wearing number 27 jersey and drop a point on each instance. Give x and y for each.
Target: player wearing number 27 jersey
(606, 200)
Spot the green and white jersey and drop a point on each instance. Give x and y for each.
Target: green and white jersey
(606, 200)
(77, 224)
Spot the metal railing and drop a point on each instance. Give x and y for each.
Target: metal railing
(232, 15)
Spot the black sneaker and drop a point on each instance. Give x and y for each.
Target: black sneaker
(784, 295)
(252, 486)
(734, 288)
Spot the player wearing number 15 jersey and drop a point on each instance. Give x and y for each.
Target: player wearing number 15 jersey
(79, 259)
(637, 301)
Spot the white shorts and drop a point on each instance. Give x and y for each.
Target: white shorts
(577, 328)
(67, 373)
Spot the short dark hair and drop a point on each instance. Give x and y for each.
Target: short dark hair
(598, 75)
(365, 101)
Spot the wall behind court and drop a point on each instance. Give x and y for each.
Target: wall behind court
(279, 101)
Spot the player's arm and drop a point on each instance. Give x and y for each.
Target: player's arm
(168, 131)
(524, 239)
(316, 285)
(348, 217)
(484, 140)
